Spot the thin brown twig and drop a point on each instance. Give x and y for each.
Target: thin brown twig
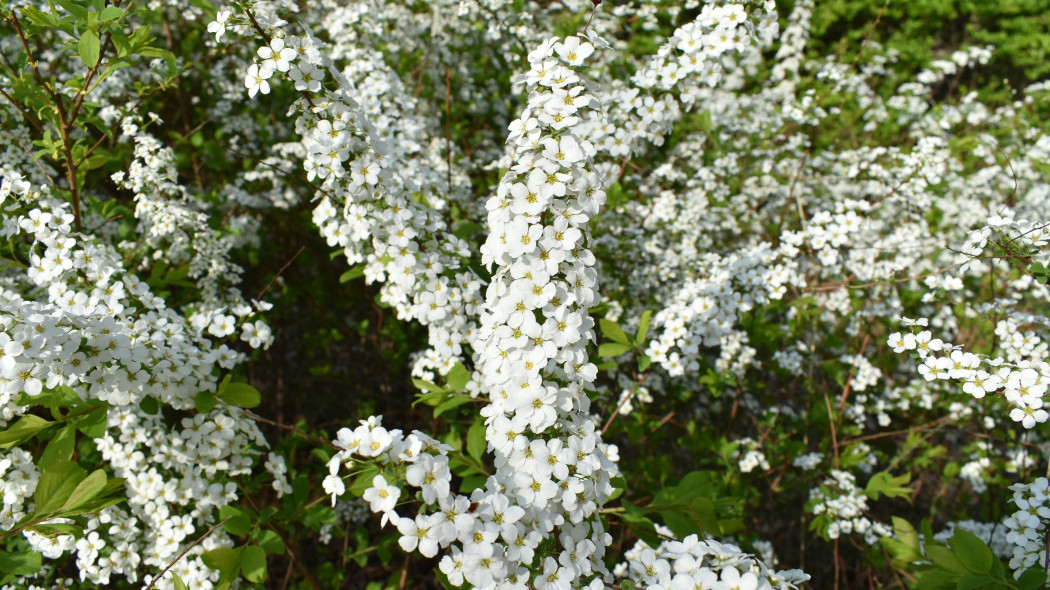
(187, 550)
(283, 268)
(34, 158)
(22, 110)
(831, 424)
(289, 428)
(849, 380)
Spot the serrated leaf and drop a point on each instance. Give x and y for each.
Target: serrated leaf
(88, 47)
(56, 485)
(889, 486)
(59, 528)
(902, 553)
(221, 558)
(611, 349)
(905, 532)
(86, 490)
(945, 558)
(74, 9)
(452, 402)
(972, 551)
(703, 510)
(110, 13)
(476, 443)
(241, 395)
(680, 523)
(253, 564)
(237, 523)
(936, 580)
(21, 563)
(94, 423)
(613, 331)
(271, 542)
(27, 427)
(60, 448)
(643, 328)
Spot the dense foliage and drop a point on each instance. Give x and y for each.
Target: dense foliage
(721, 294)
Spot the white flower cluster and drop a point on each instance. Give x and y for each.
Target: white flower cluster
(100, 334)
(696, 57)
(1027, 527)
(1022, 384)
(370, 165)
(844, 505)
(698, 563)
(532, 356)
(18, 479)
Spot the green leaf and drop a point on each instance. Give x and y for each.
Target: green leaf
(972, 581)
(93, 424)
(179, 584)
(60, 448)
(238, 523)
(644, 362)
(680, 523)
(26, 428)
(21, 563)
(613, 331)
(224, 559)
(110, 13)
(363, 481)
(902, 553)
(905, 532)
(56, 485)
(610, 349)
(703, 509)
(86, 490)
(253, 564)
(427, 386)
(458, 377)
(150, 405)
(889, 486)
(476, 443)
(204, 402)
(88, 48)
(972, 551)
(354, 273)
(270, 541)
(643, 328)
(452, 402)
(944, 557)
(936, 580)
(76, 10)
(55, 529)
(1034, 577)
(241, 395)
(639, 523)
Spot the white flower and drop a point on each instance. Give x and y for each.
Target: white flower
(381, 497)
(256, 79)
(218, 26)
